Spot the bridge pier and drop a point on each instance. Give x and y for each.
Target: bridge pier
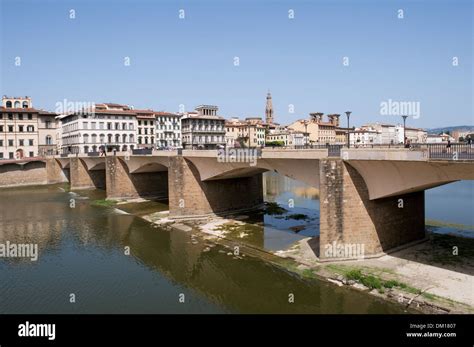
(55, 173)
(123, 184)
(191, 197)
(83, 178)
(350, 221)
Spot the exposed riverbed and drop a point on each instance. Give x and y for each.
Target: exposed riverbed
(83, 250)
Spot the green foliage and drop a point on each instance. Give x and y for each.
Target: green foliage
(275, 144)
(104, 203)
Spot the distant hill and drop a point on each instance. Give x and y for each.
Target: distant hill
(469, 128)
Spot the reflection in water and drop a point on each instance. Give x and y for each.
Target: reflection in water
(82, 251)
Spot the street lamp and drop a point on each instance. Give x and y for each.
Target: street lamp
(404, 130)
(348, 114)
(306, 132)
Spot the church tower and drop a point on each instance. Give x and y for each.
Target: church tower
(269, 110)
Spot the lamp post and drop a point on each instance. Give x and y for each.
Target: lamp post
(306, 133)
(404, 130)
(348, 114)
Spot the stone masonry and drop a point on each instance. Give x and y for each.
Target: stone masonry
(348, 217)
(54, 172)
(29, 174)
(189, 196)
(82, 178)
(123, 184)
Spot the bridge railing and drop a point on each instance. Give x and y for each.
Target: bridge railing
(142, 151)
(453, 151)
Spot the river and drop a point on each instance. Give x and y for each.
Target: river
(83, 251)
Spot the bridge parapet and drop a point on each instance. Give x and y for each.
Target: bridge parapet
(399, 154)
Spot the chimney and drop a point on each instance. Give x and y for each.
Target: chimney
(316, 117)
(334, 119)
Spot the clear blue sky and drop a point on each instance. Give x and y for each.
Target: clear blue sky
(191, 61)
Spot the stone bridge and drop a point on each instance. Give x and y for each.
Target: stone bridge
(370, 197)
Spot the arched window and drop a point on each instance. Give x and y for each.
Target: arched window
(94, 138)
(86, 149)
(109, 138)
(139, 140)
(132, 138)
(117, 138)
(146, 140)
(25, 104)
(17, 104)
(86, 138)
(102, 138)
(49, 140)
(124, 138)
(9, 104)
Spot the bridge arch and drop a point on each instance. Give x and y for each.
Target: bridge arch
(385, 178)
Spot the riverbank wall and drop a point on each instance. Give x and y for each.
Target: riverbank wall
(32, 173)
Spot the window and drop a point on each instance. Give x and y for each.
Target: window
(30, 116)
(17, 104)
(1, 128)
(25, 104)
(10, 155)
(10, 116)
(20, 128)
(49, 140)
(9, 104)
(10, 143)
(20, 116)
(1, 155)
(1, 143)
(30, 142)
(21, 142)
(30, 128)
(32, 154)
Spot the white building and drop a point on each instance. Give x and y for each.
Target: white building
(364, 137)
(145, 128)
(287, 137)
(414, 135)
(168, 130)
(105, 127)
(203, 129)
(441, 138)
(388, 132)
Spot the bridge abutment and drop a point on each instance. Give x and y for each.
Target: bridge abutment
(83, 178)
(349, 221)
(191, 197)
(123, 184)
